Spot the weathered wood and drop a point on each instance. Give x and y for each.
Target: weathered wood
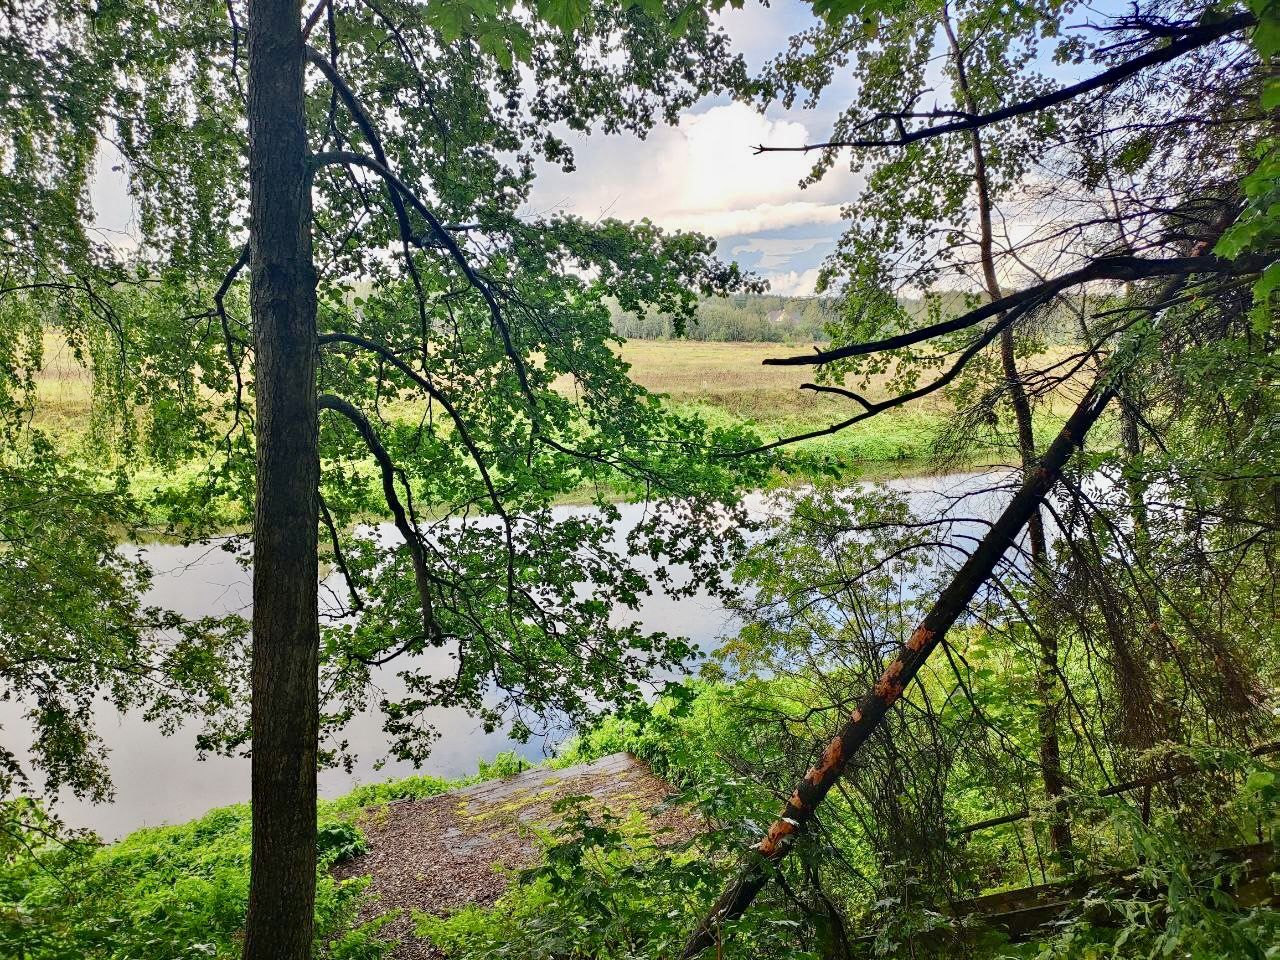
(1024, 912)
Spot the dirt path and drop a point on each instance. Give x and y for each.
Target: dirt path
(451, 850)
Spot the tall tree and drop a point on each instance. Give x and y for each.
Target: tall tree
(459, 349)
(286, 626)
(924, 218)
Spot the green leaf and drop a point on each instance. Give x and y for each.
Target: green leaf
(565, 14)
(1264, 292)
(1135, 154)
(1259, 780)
(1271, 94)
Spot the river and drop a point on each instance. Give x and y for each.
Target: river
(159, 779)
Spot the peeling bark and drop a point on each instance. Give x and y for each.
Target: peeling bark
(872, 707)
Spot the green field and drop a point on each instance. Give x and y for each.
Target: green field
(728, 382)
(725, 383)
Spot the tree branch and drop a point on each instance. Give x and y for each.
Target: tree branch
(875, 704)
(1105, 268)
(401, 192)
(1191, 39)
(871, 408)
(409, 531)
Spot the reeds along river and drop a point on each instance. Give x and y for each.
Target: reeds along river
(159, 779)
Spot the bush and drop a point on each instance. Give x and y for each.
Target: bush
(505, 764)
(606, 891)
(180, 891)
(159, 893)
(339, 842)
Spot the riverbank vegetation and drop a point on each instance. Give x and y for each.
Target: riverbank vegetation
(720, 383)
(1061, 246)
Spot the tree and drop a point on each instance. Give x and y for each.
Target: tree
(1164, 78)
(73, 625)
(390, 148)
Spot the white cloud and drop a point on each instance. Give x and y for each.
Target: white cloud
(699, 175)
(777, 251)
(793, 283)
(765, 216)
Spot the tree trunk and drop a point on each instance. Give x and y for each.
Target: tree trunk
(1047, 674)
(875, 704)
(285, 714)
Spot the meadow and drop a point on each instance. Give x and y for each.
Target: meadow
(726, 382)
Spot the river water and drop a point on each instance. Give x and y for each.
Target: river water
(159, 779)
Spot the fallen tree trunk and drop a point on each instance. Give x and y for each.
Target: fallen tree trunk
(873, 706)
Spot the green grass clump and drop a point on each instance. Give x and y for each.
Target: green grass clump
(161, 892)
(181, 891)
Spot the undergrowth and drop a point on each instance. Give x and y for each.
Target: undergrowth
(170, 892)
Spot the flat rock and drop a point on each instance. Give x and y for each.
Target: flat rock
(459, 848)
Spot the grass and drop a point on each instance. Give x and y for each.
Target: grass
(182, 890)
(728, 377)
(726, 383)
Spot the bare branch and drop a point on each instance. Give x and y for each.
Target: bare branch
(314, 17)
(875, 704)
(408, 530)
(1106, 268)
(1190, 39)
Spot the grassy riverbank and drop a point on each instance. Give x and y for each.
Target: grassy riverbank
(725, 382)
(182, 890)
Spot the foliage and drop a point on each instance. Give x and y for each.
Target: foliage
(476, 339)
(1167, 896)
(160, 892)
(179, 891)
(1144, 644)
(770, 319)
(339, 841)
(605, 889)
(1177, 900)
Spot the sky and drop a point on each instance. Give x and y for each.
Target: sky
(697, 175)
(701, 174)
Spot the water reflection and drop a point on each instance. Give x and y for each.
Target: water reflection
(159, 779)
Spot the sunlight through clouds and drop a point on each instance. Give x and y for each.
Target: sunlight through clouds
(700, 175)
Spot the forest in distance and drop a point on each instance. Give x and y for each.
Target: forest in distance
(761, 318)
(815, 461)
(749, 318)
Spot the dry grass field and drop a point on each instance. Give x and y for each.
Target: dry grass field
(729, 377)
(732, 377)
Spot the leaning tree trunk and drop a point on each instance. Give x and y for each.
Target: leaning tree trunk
(875, 704)
(285, 714)
(1047, 673)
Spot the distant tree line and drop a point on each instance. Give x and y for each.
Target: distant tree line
(755, 318)
(751, 318)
